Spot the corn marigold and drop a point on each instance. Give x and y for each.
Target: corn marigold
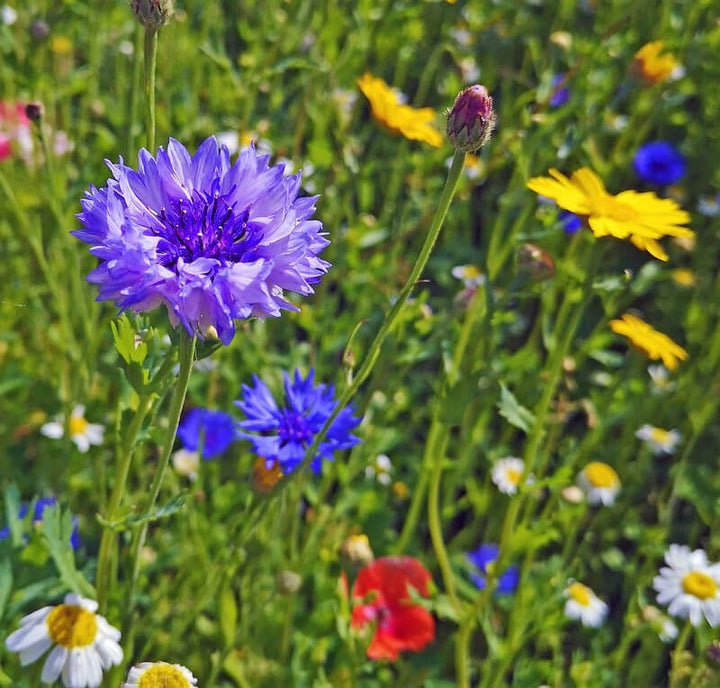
(653, 344)
(654, 66)
(414, 124)
(643, 218)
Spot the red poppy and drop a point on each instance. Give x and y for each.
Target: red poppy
(383, 590)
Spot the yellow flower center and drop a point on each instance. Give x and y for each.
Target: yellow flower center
(513, 476)
(163, 676)
(699, 585)
(608, 206)
(78, 425)
(659, 436)
(71, 626)
(580, 593)
(599, 474)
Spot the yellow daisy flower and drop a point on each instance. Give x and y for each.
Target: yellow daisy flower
(643, 218)
(654, 67)
(414, 124)
(653, 344)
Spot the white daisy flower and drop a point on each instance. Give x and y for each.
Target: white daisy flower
(159, 674)
(186, 463)
(506, 474)
(583, 604)
(689, 585)
(470, 275)
(381, 469)
(600, 483)
(8, 15)
(660, 377)
(82, 433)
(659, 440)
(83, 643)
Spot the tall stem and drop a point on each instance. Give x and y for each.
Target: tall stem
(151, 43)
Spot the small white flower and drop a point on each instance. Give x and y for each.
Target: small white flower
(83, 643)
(600, 483)
(470, 275)
(660, 377)
(689, 585)
(8, 15)
(583, 604)
(82, 433)
(506, 474)
(159, 674)
(659, 440)
(380, 469)
(186, 463)
(709, 206)
(662, 625)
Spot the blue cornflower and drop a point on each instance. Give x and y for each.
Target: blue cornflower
(483, 558)
(558, 96)
(570, 221)
(214, 430)
(659, 163)
(287, 430)
(40, 506)
(213, 242)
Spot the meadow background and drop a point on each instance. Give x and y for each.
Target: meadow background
(243, 587)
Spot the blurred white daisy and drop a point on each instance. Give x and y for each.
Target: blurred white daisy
(8, 15)
(231, 139)
(709, 205)
(470, 275)
(83, 642)
(82, 433)
(660, 377)
(600, 483)
(159, 674)
(583, 604)
(689, 585)
(506, 474)
(380, 469)
(186, 463)
(661, 624)
(659, 440)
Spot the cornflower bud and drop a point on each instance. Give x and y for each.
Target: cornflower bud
(471, 119)
(34, 111)
(153, 14)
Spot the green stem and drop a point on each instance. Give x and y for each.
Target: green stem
(376, 346)
(151, 43)
(676, 676)
(187, 355)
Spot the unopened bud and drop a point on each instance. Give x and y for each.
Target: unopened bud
(288, 582)
(39, 30)
(34, 111)
(356, 550)
(153, 14)
(536, 262)
(471, 119)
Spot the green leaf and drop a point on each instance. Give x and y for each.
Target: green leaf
(12, 507)
(6, 580)
(228, 614)
(57, 528)
(124, 336)
(131, 520)
(513, 412)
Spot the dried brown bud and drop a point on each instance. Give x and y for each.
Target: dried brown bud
(153, 14)
(471, 119)
(536, 262)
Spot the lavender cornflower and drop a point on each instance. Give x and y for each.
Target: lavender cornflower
(213, 430)
(484, 558)
(286, 431)
(213, 242)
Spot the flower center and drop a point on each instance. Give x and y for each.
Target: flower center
(699, 585)
(294, 428)
(599, 474)
(78, 425)
(580, 593)
(163, 676)
(71, 626)
(659, 436)
(513, 476)
(207, 226)
(608, 206)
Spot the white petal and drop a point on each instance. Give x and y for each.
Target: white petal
(26, 637)
(54, 430)
(109, 652)
(54, 664)
(81, 442)
(34, 652)
(37, 615)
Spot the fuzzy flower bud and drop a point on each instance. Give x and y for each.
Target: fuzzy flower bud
(471, 119)
(153, 14)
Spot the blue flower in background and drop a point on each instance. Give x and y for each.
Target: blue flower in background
(40, 506)
(288, 429)
(214, 430)
(483, 558)
(213, 242)
(659, 163)
(558, 96)
(570, 221)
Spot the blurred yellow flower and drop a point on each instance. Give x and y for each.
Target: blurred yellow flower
(654, 67)
(653, 344)
(684, 277)
(61, 45)
(414, 124)
(643, 218)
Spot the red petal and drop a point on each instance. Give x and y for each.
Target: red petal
(391, 577)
